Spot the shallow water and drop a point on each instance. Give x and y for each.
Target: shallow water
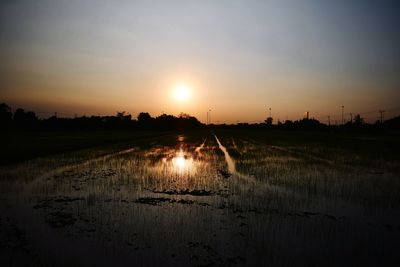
(228, 158)
(199, 201)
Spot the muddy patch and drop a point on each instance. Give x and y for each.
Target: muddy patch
(194, 192)
(60, 219)
(205, 255)
(156, 201)
(224, 174)
(51, 202)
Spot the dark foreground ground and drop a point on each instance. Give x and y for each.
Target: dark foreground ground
(221, 198)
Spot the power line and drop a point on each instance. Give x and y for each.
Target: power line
(342, 114)
(381, 111)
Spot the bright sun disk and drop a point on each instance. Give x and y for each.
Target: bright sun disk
(182, 92)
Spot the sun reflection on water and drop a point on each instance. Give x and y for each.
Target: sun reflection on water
(167, 163)
(182, 163)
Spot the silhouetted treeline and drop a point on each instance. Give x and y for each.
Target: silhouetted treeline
(167, 122)
(357, 125)
(27, 120)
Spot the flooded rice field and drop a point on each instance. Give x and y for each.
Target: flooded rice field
(209, 200)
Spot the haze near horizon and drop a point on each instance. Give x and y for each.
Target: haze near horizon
(237, 58)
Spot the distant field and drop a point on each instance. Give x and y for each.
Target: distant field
(20, 146)
(202, 198)
(374, 145)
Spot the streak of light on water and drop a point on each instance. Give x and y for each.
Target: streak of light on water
(228, 158)
(28, 187)
(199, 148)
(251, 183)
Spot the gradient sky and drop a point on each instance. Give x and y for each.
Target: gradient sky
(239, 57)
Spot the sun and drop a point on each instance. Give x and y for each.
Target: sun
(182, 92)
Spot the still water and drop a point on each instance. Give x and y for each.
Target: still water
(198, 201)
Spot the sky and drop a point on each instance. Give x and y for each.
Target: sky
(237, 58)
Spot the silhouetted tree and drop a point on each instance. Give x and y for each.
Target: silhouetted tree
(28, 120)
(144, 117)
(5, 114)
(145, 121)
(288, 123)
(393, 123)
(21, 116)
(24, 119)
(121, 115)
(269, 121)
(187, 121)
(166, 122)
(184, 116)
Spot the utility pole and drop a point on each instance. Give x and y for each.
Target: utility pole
(381, 111)
(342, 114)
(209, 116)
(329, 120)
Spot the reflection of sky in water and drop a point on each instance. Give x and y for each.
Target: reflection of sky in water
(165, 187)
(181, 163)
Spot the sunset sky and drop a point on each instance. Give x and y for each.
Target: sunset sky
(237, 58)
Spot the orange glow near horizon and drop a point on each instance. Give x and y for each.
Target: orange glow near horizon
(182, 92)
(237, 62)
